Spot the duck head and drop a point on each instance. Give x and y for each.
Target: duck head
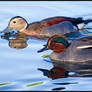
(57, 43)
(16, 23)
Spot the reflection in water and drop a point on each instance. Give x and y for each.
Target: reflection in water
(17, 41)
(81, 69)
(60, 88)
(66, 83)
(55, 72)
(3, 84)
(64, 69)
(34, 84)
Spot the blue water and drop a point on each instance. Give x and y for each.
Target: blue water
(20, 67)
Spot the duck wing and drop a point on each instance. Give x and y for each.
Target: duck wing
(55, 20)
(61, 28)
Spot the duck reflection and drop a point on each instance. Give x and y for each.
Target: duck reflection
(55, 72)
(16, 41)
(66, 69)
(83, 69)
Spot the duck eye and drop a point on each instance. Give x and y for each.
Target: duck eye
(14, 22)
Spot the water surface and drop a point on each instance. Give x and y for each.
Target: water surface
(25, 69)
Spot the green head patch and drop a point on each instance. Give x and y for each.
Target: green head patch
(61, 40)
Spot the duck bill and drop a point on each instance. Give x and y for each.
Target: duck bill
(6, 30)
(43, 49)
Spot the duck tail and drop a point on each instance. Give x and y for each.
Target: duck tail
(87, 21)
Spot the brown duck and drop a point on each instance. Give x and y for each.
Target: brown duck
(47, 27)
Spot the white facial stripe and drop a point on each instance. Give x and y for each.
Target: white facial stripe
(86, 46)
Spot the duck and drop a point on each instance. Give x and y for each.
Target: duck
(77, 51)
(46, 27)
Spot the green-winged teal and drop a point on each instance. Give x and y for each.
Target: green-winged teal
(79, 50)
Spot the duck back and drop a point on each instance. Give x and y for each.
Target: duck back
(61, 28)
